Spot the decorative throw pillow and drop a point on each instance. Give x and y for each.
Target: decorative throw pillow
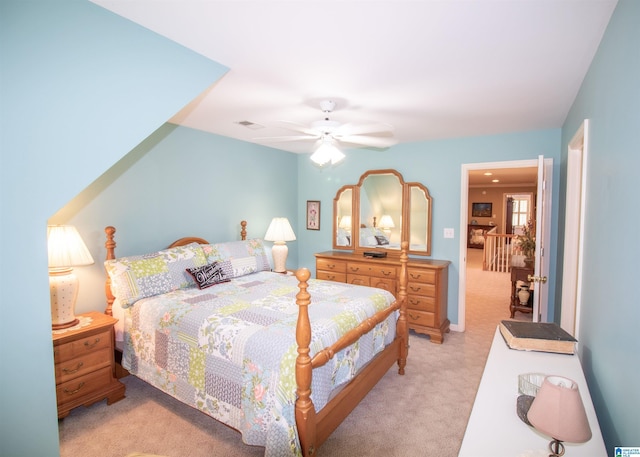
(208, 275)
(382, 240)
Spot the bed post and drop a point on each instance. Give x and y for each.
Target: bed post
(243, 230)
(110, 244)
(402, 328)
(304, 410)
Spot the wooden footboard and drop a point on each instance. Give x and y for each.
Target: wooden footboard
(314, 428)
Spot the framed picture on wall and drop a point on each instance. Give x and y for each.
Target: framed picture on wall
(313, 215)
(481, 209)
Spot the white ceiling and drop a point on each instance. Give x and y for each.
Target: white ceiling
(431, 69)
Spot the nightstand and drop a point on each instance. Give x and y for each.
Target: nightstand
(84, 364)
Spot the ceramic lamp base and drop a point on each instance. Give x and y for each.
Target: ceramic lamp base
(63, 287)
(279, 253)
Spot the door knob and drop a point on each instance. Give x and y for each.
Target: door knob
(532, 278)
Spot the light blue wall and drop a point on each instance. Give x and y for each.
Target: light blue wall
(80, 88)
(609, 98)
(181, 182)
(436, 164)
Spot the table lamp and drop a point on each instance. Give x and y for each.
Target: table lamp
(280, 231)
(386, 224)
(66, 250)
(557, 411)
(345, 223)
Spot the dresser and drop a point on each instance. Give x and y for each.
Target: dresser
(427, 285)
(84, 364)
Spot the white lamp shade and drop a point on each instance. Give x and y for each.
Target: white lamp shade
(345, 222)
(558, 411)
(280, 230)
(386, 222)
(66, 248)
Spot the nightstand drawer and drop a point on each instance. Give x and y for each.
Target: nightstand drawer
(415, 288)
(331, 276)
(82, 346)
(80, 366)
(420, 318)
(331, 265)
(421, 303)
(422, 275)
(84, 385)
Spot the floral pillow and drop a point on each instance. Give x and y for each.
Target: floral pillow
(136, 277)
(238, 258)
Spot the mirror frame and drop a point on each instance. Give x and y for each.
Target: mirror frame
(406, 214)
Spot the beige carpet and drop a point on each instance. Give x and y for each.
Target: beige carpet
(423, 413)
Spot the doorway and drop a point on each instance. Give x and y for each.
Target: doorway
(520, 167)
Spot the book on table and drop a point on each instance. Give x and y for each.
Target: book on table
(537, 336)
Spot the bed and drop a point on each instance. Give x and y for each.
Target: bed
(243, 350)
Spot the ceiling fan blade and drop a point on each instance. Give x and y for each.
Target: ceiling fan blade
(282, 139)
(351, 128)
(294, 126)
(380, 142)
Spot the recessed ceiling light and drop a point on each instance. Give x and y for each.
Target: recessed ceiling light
(495, 180)
(488, 173)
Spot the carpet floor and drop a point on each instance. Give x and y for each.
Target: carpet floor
(423, 413)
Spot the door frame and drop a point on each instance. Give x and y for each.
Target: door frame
(464, 210)
(575, 209)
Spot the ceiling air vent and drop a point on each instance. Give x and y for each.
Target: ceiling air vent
(250, 125)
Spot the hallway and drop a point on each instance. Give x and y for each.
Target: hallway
(487, 296)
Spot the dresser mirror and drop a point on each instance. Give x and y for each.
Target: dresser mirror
(381, 211)
(343, 218)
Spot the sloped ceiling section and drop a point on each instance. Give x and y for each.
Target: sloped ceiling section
(431, 69)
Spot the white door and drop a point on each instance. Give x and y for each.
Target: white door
(543, 234)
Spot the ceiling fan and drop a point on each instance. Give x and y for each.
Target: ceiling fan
(327, 131)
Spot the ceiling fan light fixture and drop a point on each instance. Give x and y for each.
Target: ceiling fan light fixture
(327, 152)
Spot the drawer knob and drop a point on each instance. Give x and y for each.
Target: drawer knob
(355, 268)
(73, 370)
(332, 266)
(75, 391)
(415, 289)
(88, 345)
(415, 276)
(386, 273)
(415, 318)
(331, 277)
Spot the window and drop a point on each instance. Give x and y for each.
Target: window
(521, 210)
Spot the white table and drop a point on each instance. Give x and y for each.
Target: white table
(494, 428)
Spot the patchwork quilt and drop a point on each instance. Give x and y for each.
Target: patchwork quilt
(230, 350)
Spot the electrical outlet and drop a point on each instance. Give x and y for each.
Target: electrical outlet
(448, 233)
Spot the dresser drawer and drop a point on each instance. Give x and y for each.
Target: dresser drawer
(331, 276)
(382, 271)
(421, 303)
(360, 280)
(80, 366)
(331, 265)
(422, 275)
(84, 385)
(82, 346)
(421, 318)
(383, 283)
(416, 288)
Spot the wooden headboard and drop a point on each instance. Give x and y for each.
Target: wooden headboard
(110, 245)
